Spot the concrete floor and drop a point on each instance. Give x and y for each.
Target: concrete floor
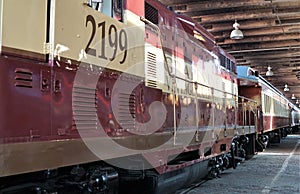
(275, 171)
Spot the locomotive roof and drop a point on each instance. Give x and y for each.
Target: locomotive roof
(196, 26)
(245, 72)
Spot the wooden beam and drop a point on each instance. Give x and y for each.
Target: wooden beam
(218, 5)
(276, 65)
(232, 16)
(272, 30)
(260, 39)
(271, 38)
(289, 18)
(192, 6)
(270, 61)
(292, 52)
(246, 14)
(273, 56)
(252, 25)
(284, 63)
(241, 60)
(176, 2)
(263, 31)
(244, 63)
(284, 1)
(262, 51)
(261, 46)
(255, 23)
(244, 25)
(288, 14)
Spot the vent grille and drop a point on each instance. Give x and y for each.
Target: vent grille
(23, 78)
(84, 108)
(151, 13)
(151, 73)
(127, 113)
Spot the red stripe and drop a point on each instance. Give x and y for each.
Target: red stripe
(136, 6)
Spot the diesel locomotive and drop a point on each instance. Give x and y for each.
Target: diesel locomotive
(122, 96)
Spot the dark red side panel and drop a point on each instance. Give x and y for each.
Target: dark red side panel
(24, 99)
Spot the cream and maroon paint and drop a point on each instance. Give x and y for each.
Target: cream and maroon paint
(60, 73)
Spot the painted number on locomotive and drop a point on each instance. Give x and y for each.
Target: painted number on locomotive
(117, 39)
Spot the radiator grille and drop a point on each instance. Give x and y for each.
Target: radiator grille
(127, 113)
(84, 108)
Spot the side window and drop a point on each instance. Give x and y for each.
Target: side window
(250, 72)
(118, 10)
(112, 8)
(96, 4)
(233, 67)
(223, 60)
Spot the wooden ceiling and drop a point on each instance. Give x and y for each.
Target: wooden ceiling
(271, 31)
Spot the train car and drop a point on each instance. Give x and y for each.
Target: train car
(274, 109)
(114, 96)
(295, 118)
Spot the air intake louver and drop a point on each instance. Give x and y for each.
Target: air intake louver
(151, 74)
(23, 78)
(151, 13)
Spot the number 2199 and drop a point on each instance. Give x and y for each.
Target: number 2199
(116, 39)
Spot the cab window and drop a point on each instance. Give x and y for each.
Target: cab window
(112, 8)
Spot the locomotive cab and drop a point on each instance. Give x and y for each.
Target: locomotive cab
(120, 10)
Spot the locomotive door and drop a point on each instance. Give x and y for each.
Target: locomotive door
(63, 67)
(25, 73)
